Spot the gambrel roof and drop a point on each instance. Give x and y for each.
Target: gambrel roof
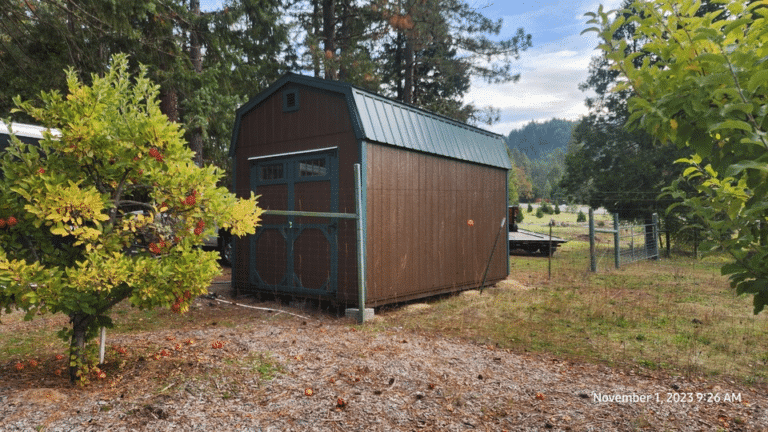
(382, 120)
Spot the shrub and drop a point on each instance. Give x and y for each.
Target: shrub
(110, 208)
(546, 207)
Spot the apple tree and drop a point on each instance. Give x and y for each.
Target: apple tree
(703, 85)
(108, 206)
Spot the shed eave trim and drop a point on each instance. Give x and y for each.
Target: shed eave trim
(276, 155)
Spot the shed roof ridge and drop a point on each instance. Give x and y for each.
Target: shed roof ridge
(342, 85)
(442, 135)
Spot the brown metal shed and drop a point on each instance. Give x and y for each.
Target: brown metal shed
(434, 194)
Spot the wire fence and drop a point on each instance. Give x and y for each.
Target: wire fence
(638, 242)
(612, 242)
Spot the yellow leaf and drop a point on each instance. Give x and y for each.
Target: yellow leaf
(673, 124)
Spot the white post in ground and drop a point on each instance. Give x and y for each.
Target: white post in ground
(102, 342)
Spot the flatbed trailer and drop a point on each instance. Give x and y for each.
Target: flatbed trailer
(530, 241)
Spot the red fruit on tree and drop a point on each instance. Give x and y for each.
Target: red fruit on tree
(154, 248)
(2, 223)
(12, 221)
(198, 231)
(190, 200)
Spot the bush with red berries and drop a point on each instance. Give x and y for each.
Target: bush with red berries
(107, 208)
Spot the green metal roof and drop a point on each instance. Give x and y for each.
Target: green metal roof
(382, 120)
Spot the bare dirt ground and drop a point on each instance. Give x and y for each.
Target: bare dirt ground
(278, 372)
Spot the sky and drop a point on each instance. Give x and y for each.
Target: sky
(550, 71)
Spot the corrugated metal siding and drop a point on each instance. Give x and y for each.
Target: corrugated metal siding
(389, 122)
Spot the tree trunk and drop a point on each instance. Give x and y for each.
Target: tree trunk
(409, 81)
(196, 57)
(316, 34)
(329, 34)
(80, 324)
(398, 67)
(169, 104)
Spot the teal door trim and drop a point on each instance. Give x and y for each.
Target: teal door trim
(292, 169)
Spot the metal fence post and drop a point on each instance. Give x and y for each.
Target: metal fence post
(360, 243)
(616, 255)
(655, 218)
(592, 258)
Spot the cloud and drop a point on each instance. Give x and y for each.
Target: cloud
(550, 71)
(548, 87)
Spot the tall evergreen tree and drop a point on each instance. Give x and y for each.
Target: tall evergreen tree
(421, 52)
(206, 63)
(338, 39)
(435, 47)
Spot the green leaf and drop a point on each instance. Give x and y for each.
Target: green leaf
(737, 168)
(59, 230)
(760, 300)
(759, 78)
(731, 124)
(735, 24)
(690, 170)
(711, 58)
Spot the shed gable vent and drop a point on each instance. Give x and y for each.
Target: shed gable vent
(290, 100)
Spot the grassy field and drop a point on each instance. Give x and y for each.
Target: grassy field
(676, 315)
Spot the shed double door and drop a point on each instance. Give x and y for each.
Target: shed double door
(296, 254)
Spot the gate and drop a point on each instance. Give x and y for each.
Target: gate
(292, 253)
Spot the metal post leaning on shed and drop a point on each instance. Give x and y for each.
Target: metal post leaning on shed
(488, 264)
(592, 258)
(360, 244)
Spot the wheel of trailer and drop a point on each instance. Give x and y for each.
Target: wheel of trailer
(544, 250)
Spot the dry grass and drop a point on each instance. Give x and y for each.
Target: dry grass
(677, 315)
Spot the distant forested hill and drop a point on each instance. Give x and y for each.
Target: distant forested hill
(538, 139)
